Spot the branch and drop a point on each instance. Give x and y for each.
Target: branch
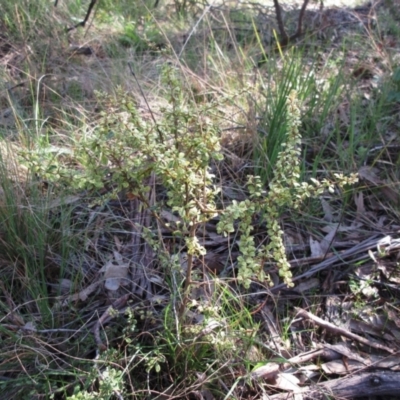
(340, 331)
(374, 383)
(285, 38)
(279, 19)
(83, 23)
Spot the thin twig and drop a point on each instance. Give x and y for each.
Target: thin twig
(194, 29)
(147, 103)
(341, 331)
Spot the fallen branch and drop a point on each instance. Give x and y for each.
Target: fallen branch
(341, 331)
(374, 383)
(384, 245)
(271, 370)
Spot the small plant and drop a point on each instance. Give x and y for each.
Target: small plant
(285, 190)
(394, 93)
(142, 38)
(124, 152)
(110, 384)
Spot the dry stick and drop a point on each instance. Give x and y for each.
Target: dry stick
(271, 370)
(342, 257)
(160, 135)
(375, 383)
(194, 29)
(340, 331)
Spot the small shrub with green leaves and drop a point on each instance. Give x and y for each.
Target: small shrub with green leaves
(126, 152)
(285, 190)
(110, 382)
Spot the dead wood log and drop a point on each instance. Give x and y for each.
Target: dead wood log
(371, 383)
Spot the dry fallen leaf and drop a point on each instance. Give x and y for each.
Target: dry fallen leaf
(326, 242)
(359, 201)
(338, 367)
(315, 248)
(388, 189)
(307, 285)
(328, 212)
(83, 294)
(115, 272)
(287, 382)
